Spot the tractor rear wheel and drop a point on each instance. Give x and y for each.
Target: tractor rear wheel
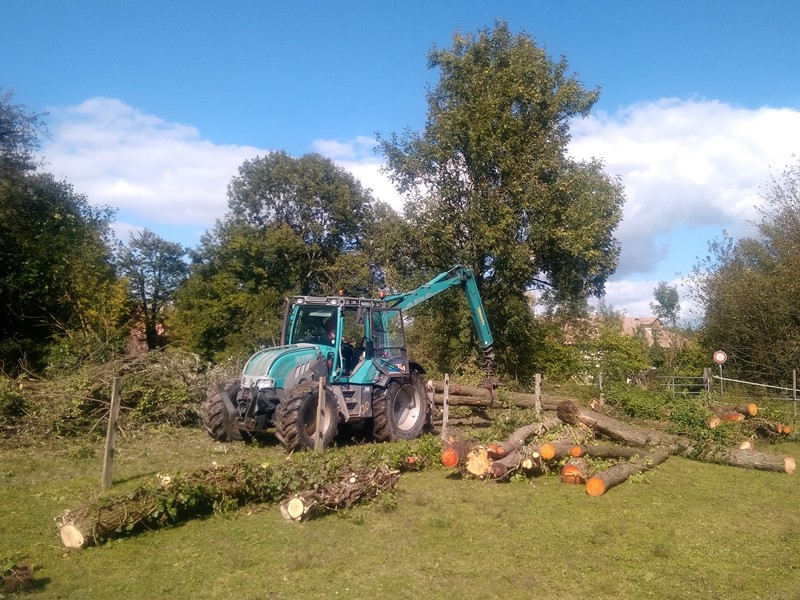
(400, 411)
(215, 415)
(296, 416)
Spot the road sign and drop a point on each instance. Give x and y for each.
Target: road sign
(720, 357)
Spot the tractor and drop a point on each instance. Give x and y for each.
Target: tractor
(358, 346)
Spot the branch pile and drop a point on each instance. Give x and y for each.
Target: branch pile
(352, 488)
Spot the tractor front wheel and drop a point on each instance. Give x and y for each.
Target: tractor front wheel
(296, 418)
(215, 414)
(400, 411)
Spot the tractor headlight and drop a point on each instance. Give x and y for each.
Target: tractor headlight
(266, 383)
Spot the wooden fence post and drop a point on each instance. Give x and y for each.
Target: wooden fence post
(318, 422)
(537, 391)
(111, 434)
(794, 398)
(445, 406)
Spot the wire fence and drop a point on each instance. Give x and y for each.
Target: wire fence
(729, 389)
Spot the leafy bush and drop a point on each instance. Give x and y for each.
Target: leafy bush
(638, 402)
(12, 404)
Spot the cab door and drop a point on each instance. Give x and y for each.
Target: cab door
(387, 341)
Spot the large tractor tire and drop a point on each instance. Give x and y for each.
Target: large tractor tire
(400, 411)
(296, 416)
(214, 413)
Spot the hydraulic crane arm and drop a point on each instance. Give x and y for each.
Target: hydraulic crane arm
(457, 276)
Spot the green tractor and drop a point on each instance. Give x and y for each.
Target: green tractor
(358, 346)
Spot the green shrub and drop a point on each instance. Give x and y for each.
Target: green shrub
(12, 403)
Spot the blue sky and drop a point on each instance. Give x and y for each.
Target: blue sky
(154, 105)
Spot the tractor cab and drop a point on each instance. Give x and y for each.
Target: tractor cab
(360, 337)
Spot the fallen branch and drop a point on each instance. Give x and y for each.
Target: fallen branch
(351, 489)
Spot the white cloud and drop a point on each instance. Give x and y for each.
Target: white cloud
(686, 164)
(161, 171)
(358, 156)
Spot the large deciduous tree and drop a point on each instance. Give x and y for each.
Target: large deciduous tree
(489, 184)
(294, 226)
(748, 289)
(58, 292)
(154, 268)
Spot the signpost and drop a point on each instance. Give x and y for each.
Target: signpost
(720, 357)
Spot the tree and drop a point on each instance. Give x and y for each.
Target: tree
(56, 281)
(748, 289)
(294, 226)
(154, 268)
(60, 297)
(321, 206)
(488, 182)
(19, 137)
(667, 305)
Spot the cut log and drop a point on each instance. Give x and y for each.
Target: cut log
(747, 445)
(601, 482)
(571, 413)
(733, 417)
(746, 410)
(526, 460)
(170, 501)
(575, 471)
(351, 489)
(517, 439)
(454, 452)
(713, 422)
(477, 462)
(558, 449)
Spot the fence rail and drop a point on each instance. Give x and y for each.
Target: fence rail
(692, 386)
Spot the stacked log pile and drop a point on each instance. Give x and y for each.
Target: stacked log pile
(637, 449)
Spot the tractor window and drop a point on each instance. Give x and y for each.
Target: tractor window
(311, 324)
(387, 334)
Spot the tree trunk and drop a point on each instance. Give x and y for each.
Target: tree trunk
(467, 395)
(609, 451)
(601, 482)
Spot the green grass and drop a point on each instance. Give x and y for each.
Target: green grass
(686, 530)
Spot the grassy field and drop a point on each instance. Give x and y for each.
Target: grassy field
(686, 530)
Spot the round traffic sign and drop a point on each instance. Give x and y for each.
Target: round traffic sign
(720, 357)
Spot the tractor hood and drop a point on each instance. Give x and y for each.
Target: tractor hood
(277, 368)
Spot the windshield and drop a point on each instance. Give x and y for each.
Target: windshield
(314, 324)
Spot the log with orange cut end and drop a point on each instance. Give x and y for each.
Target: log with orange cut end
(575, 471)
